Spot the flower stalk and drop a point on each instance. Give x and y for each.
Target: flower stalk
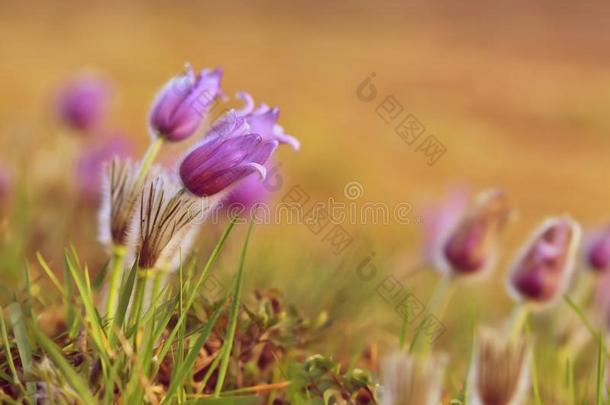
(118, 259)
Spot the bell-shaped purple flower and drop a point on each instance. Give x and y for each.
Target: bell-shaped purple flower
(93, 159)
(82, 103)
(183, 103)
(598, 250)
(469, 247)
(262, 120)
(219, 162)
(542, 271)
(248, 120)
(247, 194)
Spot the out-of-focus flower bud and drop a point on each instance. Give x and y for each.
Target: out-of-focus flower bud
(598, 250)
(542, 270)
(499, 374)
(470, 246)
(82, 103)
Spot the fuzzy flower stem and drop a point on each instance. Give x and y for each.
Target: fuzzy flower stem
(148, 159)
(118, 258)
(436, 306)
(517, 320)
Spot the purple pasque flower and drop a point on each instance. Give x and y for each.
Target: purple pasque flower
(183, 102)
(82, 102)
(262, 121)
(219, 162)
(542, 270)
(469, 247)
(248, 193)
(93, 158)
(597, 250)
(441, 216)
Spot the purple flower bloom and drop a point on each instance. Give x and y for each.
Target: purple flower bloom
(598, 250)
(542, 271)
(82, 103)
(183, 103)
(249, 192)
(219, 162)
(469, 247)
(92, 160)
(261, 121)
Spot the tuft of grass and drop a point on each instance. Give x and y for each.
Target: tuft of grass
(228, 344)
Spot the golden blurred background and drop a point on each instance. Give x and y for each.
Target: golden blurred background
(517, 93)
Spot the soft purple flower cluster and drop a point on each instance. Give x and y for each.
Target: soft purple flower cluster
(237, 146)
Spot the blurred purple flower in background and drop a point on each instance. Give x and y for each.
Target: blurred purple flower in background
(469, 247)
(183, 102)
(543, 269)
(597, 249)
(93, 158)
(82, 102)
(440, 216)
(219, 162)
(5, 184)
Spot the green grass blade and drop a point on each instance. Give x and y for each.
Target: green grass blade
(580, 313)
(96, 331)
(124, 296)
(534, 371)
(98, 281)
(232, 325)
(50, 274)
(23, 343)
(7, 348)
(72, 377)
(187, 365)
(195, 290)
(599, 380)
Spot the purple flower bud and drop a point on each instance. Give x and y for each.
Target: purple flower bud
(598, 250)
(183, 103)
(542, 271)
(91, 162)
(82, 103)
(219, 162)
(470, 246)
